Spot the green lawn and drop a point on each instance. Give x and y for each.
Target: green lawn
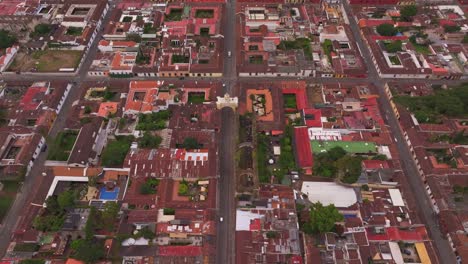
(348, 146)
(174, 15)
(256, 59)
(176, 58)
(62, 145)
(299, 43)
(196, 98)
(5, 203)
(204, 13)
(153, 121)
(289, 100)
(10, 186)
(115, 151)
(75, 31)
(421, 49)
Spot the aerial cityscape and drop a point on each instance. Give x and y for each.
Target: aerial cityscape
(234, 131)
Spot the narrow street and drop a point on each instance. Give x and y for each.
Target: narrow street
(413, 177)
(225, 251)
(30, 186)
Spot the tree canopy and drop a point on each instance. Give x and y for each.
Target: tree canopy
(386, 30)
(451, 29)
(149, 141)
(6, 39)
(393, 46)
(428, 109)
(336, 163)
(322, 218)
(190, 143)
(66, 199)
(407, 12)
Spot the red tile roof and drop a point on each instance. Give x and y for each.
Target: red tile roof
(303, 150)
(312, 117)
(189, 251)
(32, 98)
(375, 164)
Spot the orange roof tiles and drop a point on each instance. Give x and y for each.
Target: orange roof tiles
(73, 261)
(107, 108)
(148, 91)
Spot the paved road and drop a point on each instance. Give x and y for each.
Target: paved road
(225, 251)
(31, 183)
(228, 62)
(409, 167)
(226, 189)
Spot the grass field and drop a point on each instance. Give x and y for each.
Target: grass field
(290, 101)
(46, 61)
(10, 186)
(5, 203)
(348, 146)
(62, 145)
(196, 98)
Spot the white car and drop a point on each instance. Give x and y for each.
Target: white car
(221, 219)
(229, 54)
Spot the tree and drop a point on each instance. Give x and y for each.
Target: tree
(451, 29)
(336, 153)
(349, 168)
(407, 12)
(169, 211)
(146, 233)
(386, 30)
(41, 30)
(6, 39)
(53, 205)
(183, 188)
(190, 143)
(88, 109)
(116, 150)
(66, 199)
(465, 39)
(109, 214)
(149, 141)
(87, 250)
(48, 222)
(322, 218)
(393, 46)
(134, 37)
(380, 157)
(147, 189)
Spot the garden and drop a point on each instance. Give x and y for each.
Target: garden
(7, 196)
(153, 121)
(337, 163)
(289, 101)
(196, 97)
(179, 58)
(204, 13)
(174, 15)
(116, 150)
(62, 145)
(451, 103)
(194, 190)
(297, 44)
(149, 186)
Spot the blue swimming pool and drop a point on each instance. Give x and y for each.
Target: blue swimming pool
(108, 195)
